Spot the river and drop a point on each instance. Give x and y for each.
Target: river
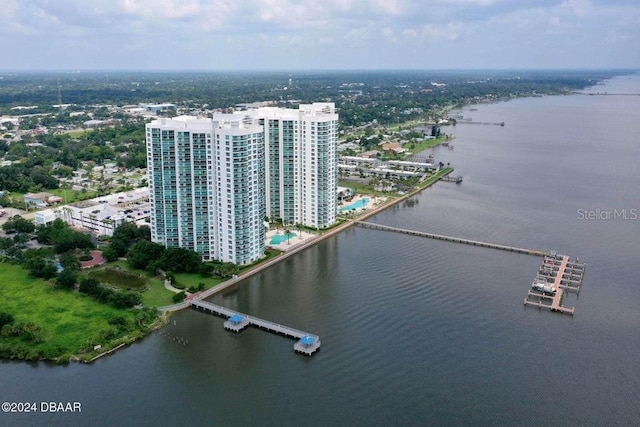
(416, 331)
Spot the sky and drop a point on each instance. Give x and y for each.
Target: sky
(318, 34)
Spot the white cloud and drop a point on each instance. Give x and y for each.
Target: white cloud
(450, 31)
(410, 33)
(389, 35)
(361, 32)
(390, 7)
(358, 36)
(168, 9)
(7, 9)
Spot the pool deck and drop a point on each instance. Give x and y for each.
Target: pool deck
(372, 203)
(301, 237)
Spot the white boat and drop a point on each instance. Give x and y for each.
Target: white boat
(545, 288)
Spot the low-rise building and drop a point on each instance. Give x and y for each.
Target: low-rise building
(102, 215)
(36, 199)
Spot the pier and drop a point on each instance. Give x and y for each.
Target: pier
(507, 248)
(470, 122)
(557, 272)
(307, 343)
(448, 178)
(564, 275)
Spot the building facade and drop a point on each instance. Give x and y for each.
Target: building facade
(301, 172)
(212, 181)
(204, 181)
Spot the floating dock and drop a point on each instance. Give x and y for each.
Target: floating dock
(307, 343)
(451, 239)
(564, 275)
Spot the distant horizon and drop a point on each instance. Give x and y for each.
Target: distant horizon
(310, 70)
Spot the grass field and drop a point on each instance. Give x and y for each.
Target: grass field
(421, 146)
(361, 188)
(191, 279)
(68, 196)
(156, 295)
(70, 322)
(79, 133)
(123, 280)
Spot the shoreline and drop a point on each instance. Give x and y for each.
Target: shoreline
(302, 246)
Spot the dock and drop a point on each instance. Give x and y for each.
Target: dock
(564, 275)
(448, 178)
(507, 248)
(307, 343)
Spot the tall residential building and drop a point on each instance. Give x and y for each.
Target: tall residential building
(205, 180)
(302, 163)
(212, 181)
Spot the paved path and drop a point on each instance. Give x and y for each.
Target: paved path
(168, 286)
(98, 259)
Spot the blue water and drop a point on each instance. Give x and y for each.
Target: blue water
(281, 238)
(357, 205)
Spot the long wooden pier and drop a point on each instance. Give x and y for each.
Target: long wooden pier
(451, 239)
(307, 343)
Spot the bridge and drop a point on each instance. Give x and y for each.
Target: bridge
(307, 343)
(374, 226)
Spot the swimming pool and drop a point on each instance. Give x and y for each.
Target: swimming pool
(279, 238)
(357, 205)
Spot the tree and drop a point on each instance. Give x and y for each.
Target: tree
(179, 297)
(19, 224)
(39, 266)
(180, 260)
(110, 253)
(142, 253)
(69, 261)
(288, 233)
(88, 286)
(66, 279)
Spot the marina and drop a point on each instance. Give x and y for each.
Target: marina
(307, 343)
(557, 274)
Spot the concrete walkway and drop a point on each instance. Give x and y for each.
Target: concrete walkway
(168, 286)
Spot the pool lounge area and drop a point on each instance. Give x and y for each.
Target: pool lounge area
(281, 238)
(360, 204)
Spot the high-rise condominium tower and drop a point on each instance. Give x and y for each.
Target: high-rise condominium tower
(212, 181)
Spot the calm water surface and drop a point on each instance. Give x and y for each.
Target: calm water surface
(416, 331)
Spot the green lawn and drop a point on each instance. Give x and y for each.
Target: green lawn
(78, 133)
(361, 188)
(191, 279)
(435, 177)
(157, 295)
(72, 196)
(69, 195)
(421, 146)
(70, 322)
